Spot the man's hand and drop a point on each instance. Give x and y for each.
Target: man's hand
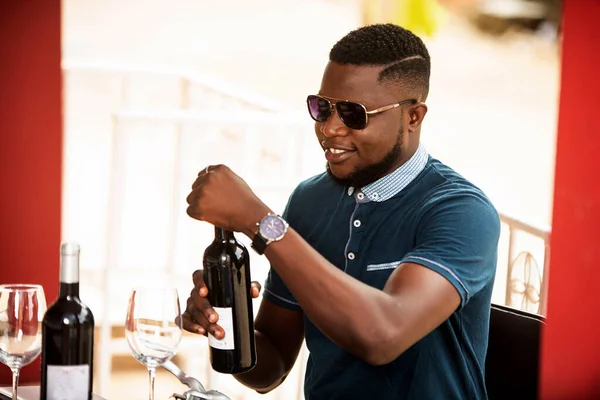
(223, 199)
(199, 316)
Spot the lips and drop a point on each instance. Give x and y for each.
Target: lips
(337, 154)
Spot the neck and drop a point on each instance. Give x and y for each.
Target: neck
(223, 234)
(69, 289)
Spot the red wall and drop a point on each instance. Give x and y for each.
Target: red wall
(30, 148)
(30, 178)
(571, 342)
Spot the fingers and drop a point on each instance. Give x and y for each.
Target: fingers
(193, 213)
(201, 304)
(221, 175)
(189, 325)
(205, 170)
(193, 326)
(198, 182)
(255, 289)
(194, 205)
(199, 285)
(195, 321)
(194, 193)
(202, 291)
(201, 317)
(202, 175)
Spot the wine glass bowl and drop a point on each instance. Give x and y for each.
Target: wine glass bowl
(153, 342)
(153, 327)
(22, 309)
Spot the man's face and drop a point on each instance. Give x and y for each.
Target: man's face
(359, 157)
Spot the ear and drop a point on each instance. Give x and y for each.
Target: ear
(416, 115)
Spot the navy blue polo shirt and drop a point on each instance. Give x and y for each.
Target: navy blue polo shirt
(423, 213)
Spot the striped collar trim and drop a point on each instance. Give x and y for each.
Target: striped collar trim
(390, 185)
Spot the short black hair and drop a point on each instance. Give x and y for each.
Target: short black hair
(403, 54)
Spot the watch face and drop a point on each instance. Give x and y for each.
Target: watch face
(272, 227)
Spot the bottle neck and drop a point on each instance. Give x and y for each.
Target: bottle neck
(223, 235)
(69, 289)
(69, 270)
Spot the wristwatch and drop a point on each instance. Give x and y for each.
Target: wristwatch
(270, 229)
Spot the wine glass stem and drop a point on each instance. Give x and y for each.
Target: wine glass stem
(152, 375)
(15, 381)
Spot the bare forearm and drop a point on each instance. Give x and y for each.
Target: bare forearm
(351, 313)
(269, 371)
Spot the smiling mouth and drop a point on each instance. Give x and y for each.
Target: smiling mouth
(335, 156)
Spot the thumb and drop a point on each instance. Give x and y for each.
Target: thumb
(255, 289)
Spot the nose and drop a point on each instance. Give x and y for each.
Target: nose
(334, 126)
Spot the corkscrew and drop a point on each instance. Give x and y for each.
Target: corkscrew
(197, 390)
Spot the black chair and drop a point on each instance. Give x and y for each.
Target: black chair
(512, 364)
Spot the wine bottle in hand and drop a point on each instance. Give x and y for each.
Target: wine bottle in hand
(227, 277)
(67, 337)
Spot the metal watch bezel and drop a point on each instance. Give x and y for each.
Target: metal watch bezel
(267, 239)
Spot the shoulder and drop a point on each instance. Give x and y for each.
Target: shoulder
(310, 193)
(456, 231)
(317, 183)
(315, 187)
(450, 197)
(452, 188)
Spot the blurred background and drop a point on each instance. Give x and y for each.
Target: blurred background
(155, 90)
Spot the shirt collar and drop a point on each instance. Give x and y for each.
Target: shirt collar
(390, 185)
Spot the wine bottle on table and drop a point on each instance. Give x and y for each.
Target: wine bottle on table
(67, 337)
(227, 277)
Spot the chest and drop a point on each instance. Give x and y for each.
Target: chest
(367, 240)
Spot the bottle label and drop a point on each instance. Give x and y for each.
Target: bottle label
(225, 322)
(68, 382)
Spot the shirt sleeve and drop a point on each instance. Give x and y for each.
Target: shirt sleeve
(458, 239)
(275, 290)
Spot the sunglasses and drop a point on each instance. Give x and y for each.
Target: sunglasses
(353, 115)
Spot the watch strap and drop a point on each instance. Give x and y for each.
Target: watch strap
(259, 244)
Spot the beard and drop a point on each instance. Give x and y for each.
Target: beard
(362, 176)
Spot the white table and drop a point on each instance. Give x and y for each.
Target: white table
(30, 393)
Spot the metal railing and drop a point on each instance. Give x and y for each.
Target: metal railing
(187, 78)
(527, 270)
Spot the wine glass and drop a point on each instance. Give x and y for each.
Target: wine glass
(22, 309)
(153, 327)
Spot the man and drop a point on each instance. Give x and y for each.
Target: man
(388, 263)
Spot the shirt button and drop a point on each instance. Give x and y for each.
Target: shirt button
(357, 223)
(350, 191)
(360, 196)
(351, 256)
(375, 196)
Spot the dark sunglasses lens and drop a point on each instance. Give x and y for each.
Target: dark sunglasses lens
(319, 109)
(353, 115)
